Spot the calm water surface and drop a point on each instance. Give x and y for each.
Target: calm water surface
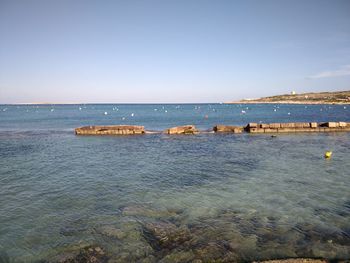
(167, 198)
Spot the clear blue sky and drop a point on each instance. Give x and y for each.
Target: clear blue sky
(171, 51)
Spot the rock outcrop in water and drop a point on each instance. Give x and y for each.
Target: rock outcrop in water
(110, 130)
(186, 129)
(227, 128)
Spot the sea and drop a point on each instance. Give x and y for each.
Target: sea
(171, 198)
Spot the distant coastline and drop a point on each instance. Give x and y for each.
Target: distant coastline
(338, 97)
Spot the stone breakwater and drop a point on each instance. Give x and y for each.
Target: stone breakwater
(294, 127)
(291, 127)
(110, 130)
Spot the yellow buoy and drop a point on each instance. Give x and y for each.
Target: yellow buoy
(327, 154)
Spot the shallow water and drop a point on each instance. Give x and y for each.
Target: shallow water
(237, 197)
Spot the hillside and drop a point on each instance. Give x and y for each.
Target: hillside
(339, 97)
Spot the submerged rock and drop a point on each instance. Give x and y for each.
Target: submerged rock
(87, 255)
(112, 231)
(164, 235)
(295, 260)
(142, 211)
(178, 257)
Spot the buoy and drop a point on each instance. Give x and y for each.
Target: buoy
(132, 114)
(328, 154)
(106, 112)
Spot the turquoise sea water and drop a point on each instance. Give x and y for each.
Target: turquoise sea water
(233, 197)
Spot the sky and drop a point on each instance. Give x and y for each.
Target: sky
(170, 51)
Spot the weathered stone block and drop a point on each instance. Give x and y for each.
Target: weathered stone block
(332, 124)
(302, 125)
(252, 125)
(274, 125)
(110, 130)
(226, 128)
(186, 129)
(313, 124)
(269, 130)
(304, 130)
(286, 130)
(256, 130)
(263, 125)
(287, 125)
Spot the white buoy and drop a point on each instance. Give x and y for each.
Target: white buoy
(288, 113)
(166, 111)
(79, 108)
(132, 114)
(243, 111)
(106, 112)
(344, 107)
(274, 110)
(123, 118)
(52, 110)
